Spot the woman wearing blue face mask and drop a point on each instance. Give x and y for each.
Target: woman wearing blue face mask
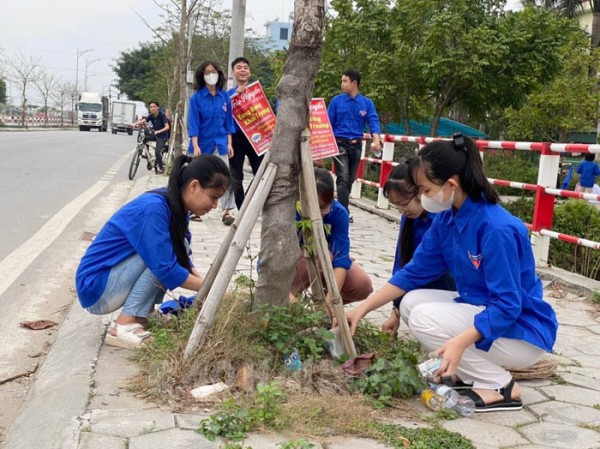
(497, 318)
(210, 124)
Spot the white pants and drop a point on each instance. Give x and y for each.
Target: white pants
(227, 201)
(433, 318)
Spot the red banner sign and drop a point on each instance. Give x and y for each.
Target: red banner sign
(322, 140)
(252, 112)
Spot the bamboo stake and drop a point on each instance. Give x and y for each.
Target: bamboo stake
(218, 260)
(316, 285)
(172, 139)
(312, 200)
(236, 248)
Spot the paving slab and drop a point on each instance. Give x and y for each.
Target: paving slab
(189, 421)
(573, 395)
(89, 440)
(588, 361)
(128, 423)
(354, 443)
(532, 395)
(172, 438)
(582, 378)
(489, 434)
(561, 435)
(271, 441)
(559, 412)
(508, 419)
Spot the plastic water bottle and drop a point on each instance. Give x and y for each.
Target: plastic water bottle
(432, 400)
(465, 406)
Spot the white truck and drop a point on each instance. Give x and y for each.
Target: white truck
(122, 117)
(92, 111)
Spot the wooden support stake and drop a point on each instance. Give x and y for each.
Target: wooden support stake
(312, 200)
(236, 248)
(218, 260)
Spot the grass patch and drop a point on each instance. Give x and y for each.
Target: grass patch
(315, 402)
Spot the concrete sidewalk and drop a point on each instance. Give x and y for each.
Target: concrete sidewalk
(79, 400)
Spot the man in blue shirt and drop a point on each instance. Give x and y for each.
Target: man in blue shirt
(348, 113)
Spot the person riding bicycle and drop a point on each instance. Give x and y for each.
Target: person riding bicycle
(161, 126)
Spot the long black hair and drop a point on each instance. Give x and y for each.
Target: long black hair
(401, 182)
(325, 185)
(199, 82)
(440, 160)
(212, 173)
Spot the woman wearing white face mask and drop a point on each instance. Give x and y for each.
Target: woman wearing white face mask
(210, 123)
(497, 318)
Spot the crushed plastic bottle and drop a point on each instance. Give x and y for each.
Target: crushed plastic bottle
(429, 367)
(447, 393)
(432, 400)
(465, 406)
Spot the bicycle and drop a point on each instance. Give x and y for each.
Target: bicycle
(145, 149)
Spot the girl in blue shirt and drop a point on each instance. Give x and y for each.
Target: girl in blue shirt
(414, 223)
(498, 317)
(144, 248)
(588, 170)
(210, 123)
(353, 283)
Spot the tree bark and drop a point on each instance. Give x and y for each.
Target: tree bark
(279, 243)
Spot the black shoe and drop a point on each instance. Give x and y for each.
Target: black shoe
(351, 219)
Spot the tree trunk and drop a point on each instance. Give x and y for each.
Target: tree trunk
(279, 243)
(437, 115)
(596, 30)
(182, 55)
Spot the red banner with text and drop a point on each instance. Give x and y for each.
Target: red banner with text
(322, 140)
(252, 112)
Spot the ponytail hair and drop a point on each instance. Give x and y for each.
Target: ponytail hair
(401, 182)
(212, 173)
(442, 159)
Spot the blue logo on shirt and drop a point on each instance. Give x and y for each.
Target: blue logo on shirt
(362, 112)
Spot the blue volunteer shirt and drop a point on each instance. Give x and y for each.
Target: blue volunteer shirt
(140, 227)
(230, 92)
(210, 120)
(348, 116)
(488, 252)
(419, 227)
(588, 170)
(338, 239)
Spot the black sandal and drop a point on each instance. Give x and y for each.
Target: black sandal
(505, 404)
(455, 384)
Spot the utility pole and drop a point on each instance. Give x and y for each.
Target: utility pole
(88, 62)
(236, 42)
(79, 53)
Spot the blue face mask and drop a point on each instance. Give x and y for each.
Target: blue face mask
(436, 203)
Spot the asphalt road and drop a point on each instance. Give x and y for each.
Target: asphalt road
(54, 187)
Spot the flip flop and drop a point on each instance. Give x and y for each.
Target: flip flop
(452, 382)
(196, 218)
(228, 219)
(126, 336)
(505, 404)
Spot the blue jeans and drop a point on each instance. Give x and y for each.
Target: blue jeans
(130, 285)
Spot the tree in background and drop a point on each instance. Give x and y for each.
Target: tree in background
(46, 83)
(22, 72)
(567, 103)
(3, 97)
(63, 96)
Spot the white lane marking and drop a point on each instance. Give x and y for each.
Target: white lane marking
(13, 265)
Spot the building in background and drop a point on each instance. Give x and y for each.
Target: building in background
(278, 34)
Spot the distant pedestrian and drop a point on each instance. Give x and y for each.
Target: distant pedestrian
(143, 249)
(349, 113)
(242, 147)
(210, 123)
(161, 127)
(588, 170)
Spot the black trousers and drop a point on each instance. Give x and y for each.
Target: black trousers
(241, 149)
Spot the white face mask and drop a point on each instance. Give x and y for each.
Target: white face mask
(211, 79)
(436, 203)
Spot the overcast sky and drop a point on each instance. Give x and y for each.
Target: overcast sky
(53, 31)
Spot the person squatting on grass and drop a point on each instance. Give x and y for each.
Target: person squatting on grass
(144, 248)
(415, 221)
(497, 318)
(353, 283)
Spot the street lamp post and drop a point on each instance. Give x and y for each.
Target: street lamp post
(79, 53)
(88, 62)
